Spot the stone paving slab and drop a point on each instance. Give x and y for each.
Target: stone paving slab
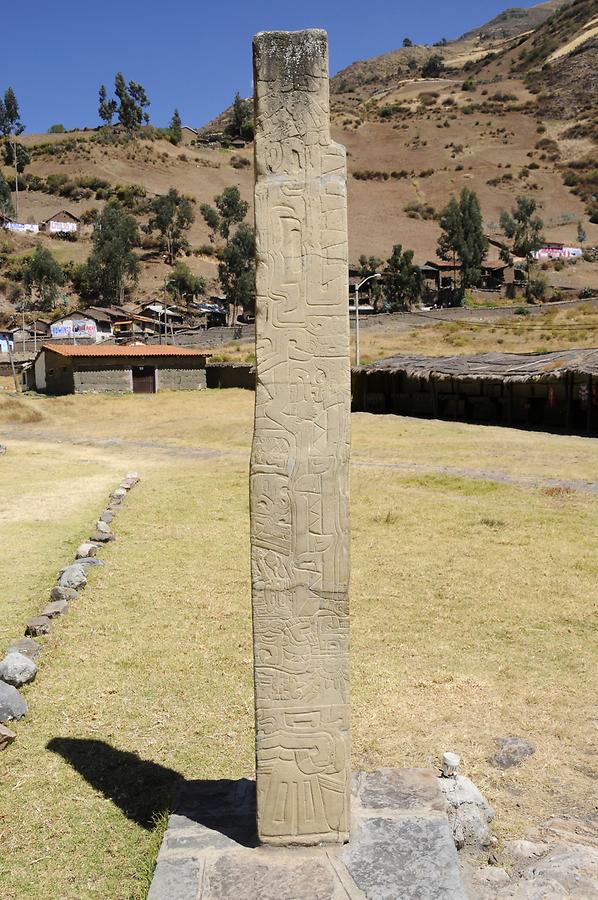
(401, 847)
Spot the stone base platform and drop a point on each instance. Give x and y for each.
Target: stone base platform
(401, 847)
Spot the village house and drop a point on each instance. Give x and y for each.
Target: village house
(92, 324)
(62, 222)
(188, 136)
(115, 368)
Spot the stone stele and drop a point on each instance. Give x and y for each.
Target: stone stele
(300, 457)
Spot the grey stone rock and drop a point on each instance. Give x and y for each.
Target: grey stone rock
(118, 494)
(107, 516)
(388, 857)
(468, 811)
(279, 876)
(176, 879)
(103, 527)
(525, 851)
(484, 883)
(89, 562)
(55, 608)
(59, 592)
(17, 669)
(397, 788)
(101, 537)
(511, 752)
(27, 647)
(38, 625)
(115, 504)
(6, 737)
(2, 449)
(86, 549)
(73, 577)
(12, 705)
(568, 872)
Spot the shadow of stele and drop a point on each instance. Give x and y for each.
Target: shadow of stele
(143, 789)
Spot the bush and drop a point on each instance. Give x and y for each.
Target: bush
(423, 211)
(426, 173)
(538, 286)
(240, 162)
(56, 129)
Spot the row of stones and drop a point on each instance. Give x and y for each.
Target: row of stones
(19, 665)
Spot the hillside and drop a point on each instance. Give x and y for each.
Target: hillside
(509, 112)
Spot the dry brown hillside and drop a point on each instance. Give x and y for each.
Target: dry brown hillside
(509, 113)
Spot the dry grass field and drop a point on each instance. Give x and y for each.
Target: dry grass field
(474, 609)
(386, 336)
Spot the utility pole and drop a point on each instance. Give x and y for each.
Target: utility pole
(12, 366)
(358, 287)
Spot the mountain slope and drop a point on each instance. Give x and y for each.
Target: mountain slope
(515, 116)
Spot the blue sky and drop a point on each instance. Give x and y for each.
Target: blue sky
(187, 53)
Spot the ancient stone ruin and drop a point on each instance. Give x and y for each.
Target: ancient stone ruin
(300, 457)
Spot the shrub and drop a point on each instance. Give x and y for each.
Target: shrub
(240, 162)
(56, 129)
(423, 211)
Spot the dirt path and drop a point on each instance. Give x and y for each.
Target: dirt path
(408, 468)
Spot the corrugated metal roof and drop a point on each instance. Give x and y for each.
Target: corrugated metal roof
(122, 350)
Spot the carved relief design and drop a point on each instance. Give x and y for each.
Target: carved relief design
(300, 454)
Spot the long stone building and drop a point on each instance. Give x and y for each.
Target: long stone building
(112, 368)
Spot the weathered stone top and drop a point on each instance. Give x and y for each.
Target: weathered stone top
(291, 100)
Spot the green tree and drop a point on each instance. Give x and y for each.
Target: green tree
(56, 129)
(581, 233)
(433, 67)
(10, 128)
(112, 265)
(402, 279)
(171, 215)
(462, 236)
(5, 197)
(450, 242)
(132, 101)
(524, 228)
(183, 284)
(370, 265)
(106, 107)
(236, 271)
(175, 128)
(16, 155)
(42, 276)
(407, 42)
(230, 210)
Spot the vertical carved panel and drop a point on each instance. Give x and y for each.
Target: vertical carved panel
(300, 455)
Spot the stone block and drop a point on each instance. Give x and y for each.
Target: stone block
(12, 705)
(55, 608)
(38, 625)
(17, 669)
(27, 647)
(6, 737)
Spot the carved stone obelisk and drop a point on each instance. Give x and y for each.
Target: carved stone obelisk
(300, 457)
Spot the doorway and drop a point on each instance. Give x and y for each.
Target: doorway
(144, 379)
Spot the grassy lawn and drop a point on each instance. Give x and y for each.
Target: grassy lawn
(473, 616)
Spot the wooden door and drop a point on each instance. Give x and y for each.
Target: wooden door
(144, 380)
